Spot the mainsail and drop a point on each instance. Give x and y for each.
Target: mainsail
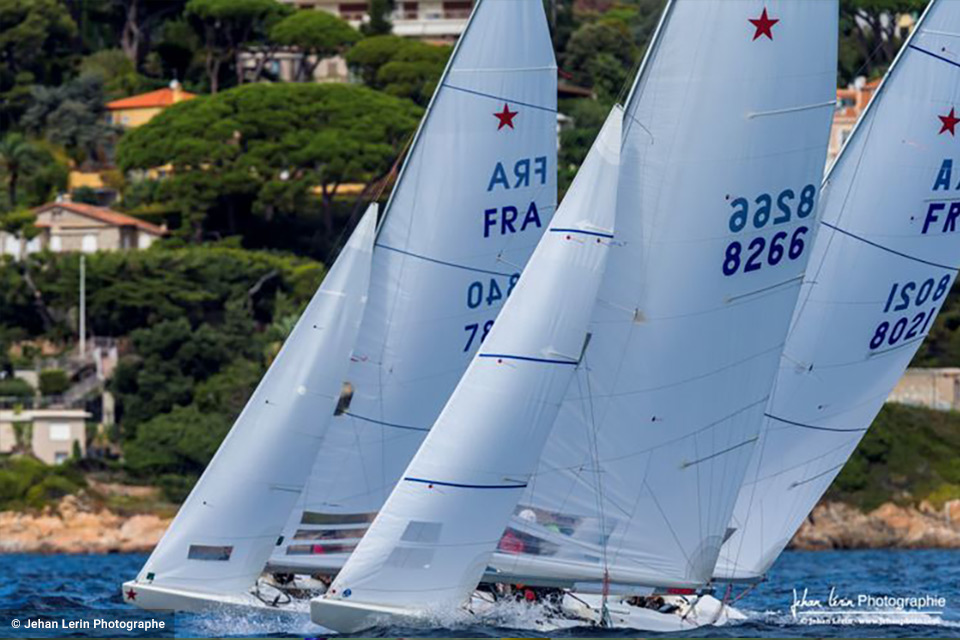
(885, 258)
(725, 137)
(473, 198)
(225, 531)
(438, 529)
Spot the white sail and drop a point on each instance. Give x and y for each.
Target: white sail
(225, 531)
(884, 261)
(724, 143)
(473, 199)
(440, 525)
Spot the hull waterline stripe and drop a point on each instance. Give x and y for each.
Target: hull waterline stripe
(581, 231)
(933, 55)
(499, 98)
(503, 356)
(466, 486)
(810, 426)
(443, 262)
(888, 249)
(385, 424)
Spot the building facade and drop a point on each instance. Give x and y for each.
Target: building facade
(931, 388)
(72, 226)
(442, 20)
(50, 432)
(139, 109)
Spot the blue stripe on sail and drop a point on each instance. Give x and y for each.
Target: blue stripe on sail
(888, 249)
(933, 55)
(526, 358)
(810, 426)
(467, 486)
(499, 98)
(385, 424)
(581, 231)
(443, 262)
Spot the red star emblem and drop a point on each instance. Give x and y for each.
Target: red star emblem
(505, 117)
(949, 122)
(764, 25)
(131, 594)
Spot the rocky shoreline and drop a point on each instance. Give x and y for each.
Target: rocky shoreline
(74, 526)
(835, 525)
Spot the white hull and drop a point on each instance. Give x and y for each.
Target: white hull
(579, 611)
(155, 598)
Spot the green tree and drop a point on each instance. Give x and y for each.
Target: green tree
(379, 23)
(140, 19)
(54, 382)
(260, 151)
(35, 39)
(118, 74)
(317, 34)
(398, 66)
(72, 115)
(601, 55)
(18, 156)
(227, 26)
(869, 35)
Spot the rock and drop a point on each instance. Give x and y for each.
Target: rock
(835, 525)
(74, 527)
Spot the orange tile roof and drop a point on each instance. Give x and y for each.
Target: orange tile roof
(103, 214)
(159, 98)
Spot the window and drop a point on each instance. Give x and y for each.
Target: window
(60, 457)
(143, 240)
(312, 517)
(33, 245)
(319, 549)
(56, 244)
(203, 552)
(89, 243)
(60, 432)
(12, 246)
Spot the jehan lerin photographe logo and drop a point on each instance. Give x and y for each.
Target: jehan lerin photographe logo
(865, 608)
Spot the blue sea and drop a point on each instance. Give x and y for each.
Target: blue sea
(78, 587)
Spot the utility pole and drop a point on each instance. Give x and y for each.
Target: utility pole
(83, 306)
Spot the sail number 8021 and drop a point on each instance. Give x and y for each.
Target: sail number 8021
(761, 251)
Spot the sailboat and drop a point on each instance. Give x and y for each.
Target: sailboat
(472, 200)
(884, 260)
(440, 524)
(215, 549)
(723, 144)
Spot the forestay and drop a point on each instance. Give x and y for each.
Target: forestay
(883, 263)
(474, 196)
(431, 542)
(225, 531)
(724, 144)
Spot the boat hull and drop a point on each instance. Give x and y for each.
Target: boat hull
(156, 598)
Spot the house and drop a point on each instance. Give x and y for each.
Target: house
(72, 226)
(438, 20)
(851, 103)
(51, 432)
(140, 109)
(931, 388)
(284, 65)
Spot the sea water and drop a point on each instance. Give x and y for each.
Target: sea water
(806, 595)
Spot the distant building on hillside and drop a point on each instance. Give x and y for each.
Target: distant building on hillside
(140, 109)
(284, 65)
(442, 20)
(931, 388)
(72, 226)
(851, 103)
(51, 432)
